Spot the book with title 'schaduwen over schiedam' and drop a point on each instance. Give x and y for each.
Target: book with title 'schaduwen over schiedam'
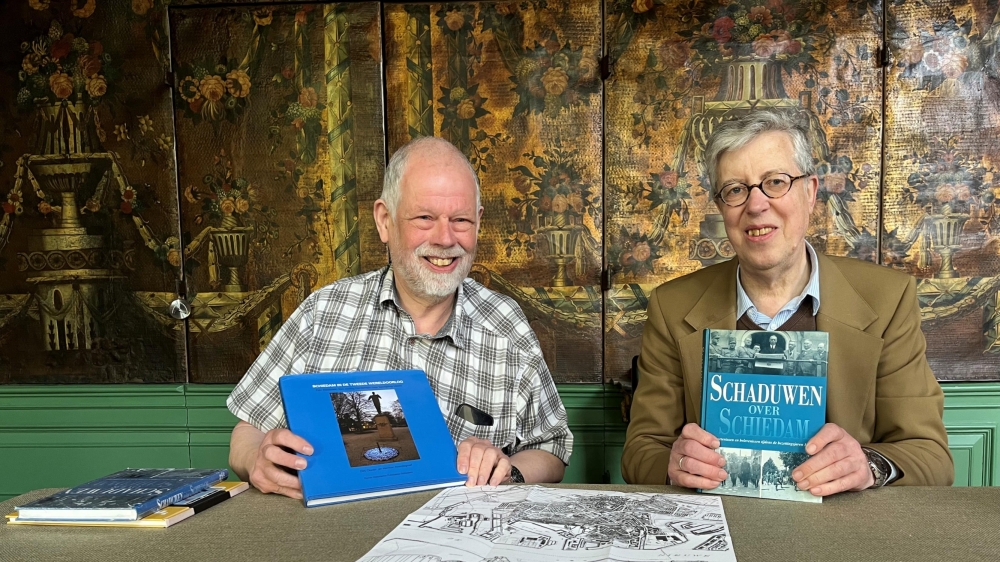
(373, 434)
(764, 397)
(126, 495)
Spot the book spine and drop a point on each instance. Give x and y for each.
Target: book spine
(163, 500)
(706, 342)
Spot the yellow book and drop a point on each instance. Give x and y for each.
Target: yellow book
(159, 519)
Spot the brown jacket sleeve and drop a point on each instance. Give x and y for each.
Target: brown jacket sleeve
(909, 402)
(658, 405)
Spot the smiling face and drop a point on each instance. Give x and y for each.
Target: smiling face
(432, 237)
(767, 234)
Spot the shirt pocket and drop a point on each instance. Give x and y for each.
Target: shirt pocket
(461, 429)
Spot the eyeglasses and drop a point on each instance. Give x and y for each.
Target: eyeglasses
(773, 186)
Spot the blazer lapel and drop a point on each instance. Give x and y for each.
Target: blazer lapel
(716, 309)
(845, 315)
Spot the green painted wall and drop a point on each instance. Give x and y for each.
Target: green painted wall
(53, 436)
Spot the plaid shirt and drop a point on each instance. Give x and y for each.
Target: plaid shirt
(486, 356)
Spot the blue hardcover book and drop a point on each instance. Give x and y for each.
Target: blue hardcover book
(373, 434)
(764, 397)
(127, 495)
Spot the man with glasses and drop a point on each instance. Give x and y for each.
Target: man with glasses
(884, 407)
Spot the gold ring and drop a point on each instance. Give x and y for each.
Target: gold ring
(680, 462)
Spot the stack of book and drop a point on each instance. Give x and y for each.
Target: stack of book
(134, 497)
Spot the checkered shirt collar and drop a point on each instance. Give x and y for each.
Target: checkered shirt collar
(388, 294)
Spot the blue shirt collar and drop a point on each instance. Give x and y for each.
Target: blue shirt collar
(743, 302)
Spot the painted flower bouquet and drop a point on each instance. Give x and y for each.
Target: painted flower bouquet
(554, 194)
(633, 253)
(760, 29)
(60, 66)
(553, 76)
(224, 197)
(461, 106)
(946, 181)
(669, 189)
(937, 54)
(213, 92)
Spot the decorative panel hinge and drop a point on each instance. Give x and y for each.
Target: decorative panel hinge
(882, 56)
(606, 279)
(605, 67)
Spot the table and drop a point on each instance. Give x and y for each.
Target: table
(905, 524)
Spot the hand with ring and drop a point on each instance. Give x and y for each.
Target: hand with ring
(693, 460)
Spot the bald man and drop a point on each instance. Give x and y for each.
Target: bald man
(419, 312)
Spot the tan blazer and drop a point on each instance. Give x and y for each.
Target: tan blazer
(880, 388)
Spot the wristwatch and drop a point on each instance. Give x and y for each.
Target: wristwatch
(515, 475)
(879, 466)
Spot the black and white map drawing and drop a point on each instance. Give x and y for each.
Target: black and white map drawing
(534, 523)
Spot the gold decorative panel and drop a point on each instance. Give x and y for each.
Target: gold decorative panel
(87, 172)
(943, 177)
(230, 154)
(279, 126)
(517, 88)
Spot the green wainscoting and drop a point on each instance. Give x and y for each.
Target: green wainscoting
(65, 435)
(54, 436)
(972, 417)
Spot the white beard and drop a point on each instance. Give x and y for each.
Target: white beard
(426, 283)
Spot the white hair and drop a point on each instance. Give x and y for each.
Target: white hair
(397, 167)
(736, 133)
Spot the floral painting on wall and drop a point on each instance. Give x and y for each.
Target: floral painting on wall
(177, 176)
(516, 86)
(280, 139)
(87, 174)
(943, 177)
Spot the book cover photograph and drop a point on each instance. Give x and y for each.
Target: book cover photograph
(764, 397)
(373, 434)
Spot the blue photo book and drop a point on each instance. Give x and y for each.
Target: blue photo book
(764, 397)
(127, 495)
(373, 434)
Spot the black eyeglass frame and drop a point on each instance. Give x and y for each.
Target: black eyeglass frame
(760, 186)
